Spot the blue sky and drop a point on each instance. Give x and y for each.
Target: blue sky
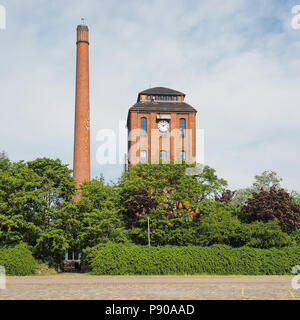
(238, 61)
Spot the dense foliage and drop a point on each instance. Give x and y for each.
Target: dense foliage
(17, 260)
(185, 206)
(261, 182)
(120, 259)
(273, 204)
(29, 195)
(94, 218)
(169, 197)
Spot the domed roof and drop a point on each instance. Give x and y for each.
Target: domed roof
(162, 91)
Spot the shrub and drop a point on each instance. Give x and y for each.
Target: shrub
(296, 236)
(164, 192)
(220, 226)
(18, 260)
(274, 204)
(217, 226)
(119, 259)
(261, 235)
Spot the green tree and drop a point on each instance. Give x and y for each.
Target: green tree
(22, 208)
(296, 236)
(217, 224)
(30, 194)
(4, 161)
(168, 195)
(57, 182)
(94, 218)
(296, 196)
(262, 235)
(220, 225)
(51, 246)
(262, 182)
(273, 204)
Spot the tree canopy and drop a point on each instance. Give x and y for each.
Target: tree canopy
(184, 206)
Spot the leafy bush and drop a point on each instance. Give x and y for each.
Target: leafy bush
(262, 235)
(217, 226)
(164, 192)
(274, 204)
(296, 236)
(264, 182)
(119, 259)
(18, 260)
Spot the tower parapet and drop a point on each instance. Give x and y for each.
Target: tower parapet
(82, 33)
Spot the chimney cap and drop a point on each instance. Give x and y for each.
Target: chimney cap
(83, 24)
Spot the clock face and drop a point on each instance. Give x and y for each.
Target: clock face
(163, 126)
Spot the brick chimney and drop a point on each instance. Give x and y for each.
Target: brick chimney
(81, 162)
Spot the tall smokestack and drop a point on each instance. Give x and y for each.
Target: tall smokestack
(82, 109)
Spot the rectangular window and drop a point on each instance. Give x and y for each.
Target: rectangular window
(182, 126)
(143, 155)
(163, 155)
(143, 126)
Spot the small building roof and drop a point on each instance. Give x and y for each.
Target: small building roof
(162, 106)
(162, 91)
(155, 106)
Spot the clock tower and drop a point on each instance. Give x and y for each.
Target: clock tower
(161, 126)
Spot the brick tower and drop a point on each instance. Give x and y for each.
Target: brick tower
(81, 162)
(161, 126)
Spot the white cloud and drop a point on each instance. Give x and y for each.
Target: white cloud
(237, 61)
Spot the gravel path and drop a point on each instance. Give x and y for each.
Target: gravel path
(84, 287)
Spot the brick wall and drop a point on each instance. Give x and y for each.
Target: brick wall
(172, 142)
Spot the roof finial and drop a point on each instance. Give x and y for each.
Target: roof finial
(82, 21)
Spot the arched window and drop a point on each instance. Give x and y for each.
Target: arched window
(169, 98)
(143, 155)
(182, 126)
(149, 98)
(163, 155)
(144, 126)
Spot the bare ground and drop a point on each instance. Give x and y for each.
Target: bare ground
(85, 287)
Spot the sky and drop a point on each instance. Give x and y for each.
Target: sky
(238, 62)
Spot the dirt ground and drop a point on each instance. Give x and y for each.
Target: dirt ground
(85, 287)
